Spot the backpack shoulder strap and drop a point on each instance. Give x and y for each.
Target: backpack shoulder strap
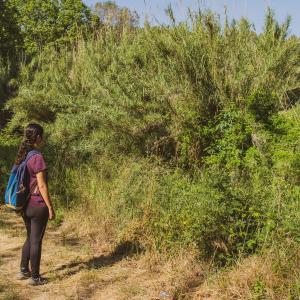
(31, 154)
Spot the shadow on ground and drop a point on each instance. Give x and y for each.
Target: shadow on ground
(124, 250)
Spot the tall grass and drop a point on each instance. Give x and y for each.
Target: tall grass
(155, 90)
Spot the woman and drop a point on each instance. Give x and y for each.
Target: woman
(39, 208)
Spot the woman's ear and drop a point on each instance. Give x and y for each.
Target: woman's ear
(39, 139)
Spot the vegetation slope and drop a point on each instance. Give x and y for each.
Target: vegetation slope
(172, 139)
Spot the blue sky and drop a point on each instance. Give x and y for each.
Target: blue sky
(254, 10)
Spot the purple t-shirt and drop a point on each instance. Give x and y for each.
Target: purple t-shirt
(35, 165)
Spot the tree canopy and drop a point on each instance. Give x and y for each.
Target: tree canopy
(44, 22)
(10, 36)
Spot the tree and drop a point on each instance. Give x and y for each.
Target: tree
(111, 14)
(10, 44)
(73, 16)
(44, 22)
(10, 36)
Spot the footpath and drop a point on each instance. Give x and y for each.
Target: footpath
(75, 270)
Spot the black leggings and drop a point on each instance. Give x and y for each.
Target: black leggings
(35, 219)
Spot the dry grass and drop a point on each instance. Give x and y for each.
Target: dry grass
(152, 273)
(84, 270)
(183, 277)
(91, 229)
(255, 277)
(7, 292)
(178, 275)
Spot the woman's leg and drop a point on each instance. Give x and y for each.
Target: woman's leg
(39, 218)
(26, 247)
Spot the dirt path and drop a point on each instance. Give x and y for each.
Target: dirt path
(74, 270)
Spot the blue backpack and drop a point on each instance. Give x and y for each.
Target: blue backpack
(17, 191)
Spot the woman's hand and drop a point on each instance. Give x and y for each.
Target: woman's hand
(51, 214)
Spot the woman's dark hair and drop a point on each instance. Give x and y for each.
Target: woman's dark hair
(31, 133)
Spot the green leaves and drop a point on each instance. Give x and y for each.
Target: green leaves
(263, 104)
(209, 155)
(44, 23)
(10, 35)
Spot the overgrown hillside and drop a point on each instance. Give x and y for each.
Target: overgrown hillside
(177, 138)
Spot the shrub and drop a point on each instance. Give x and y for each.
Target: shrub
(263, 105)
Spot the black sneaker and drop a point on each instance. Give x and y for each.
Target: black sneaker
(24, 274)
(37, 280)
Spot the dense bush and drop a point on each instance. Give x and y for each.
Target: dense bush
(177, 136)
(157, 90)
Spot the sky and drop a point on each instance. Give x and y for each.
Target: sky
(254, 10)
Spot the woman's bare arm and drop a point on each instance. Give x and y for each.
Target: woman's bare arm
(43, 188)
